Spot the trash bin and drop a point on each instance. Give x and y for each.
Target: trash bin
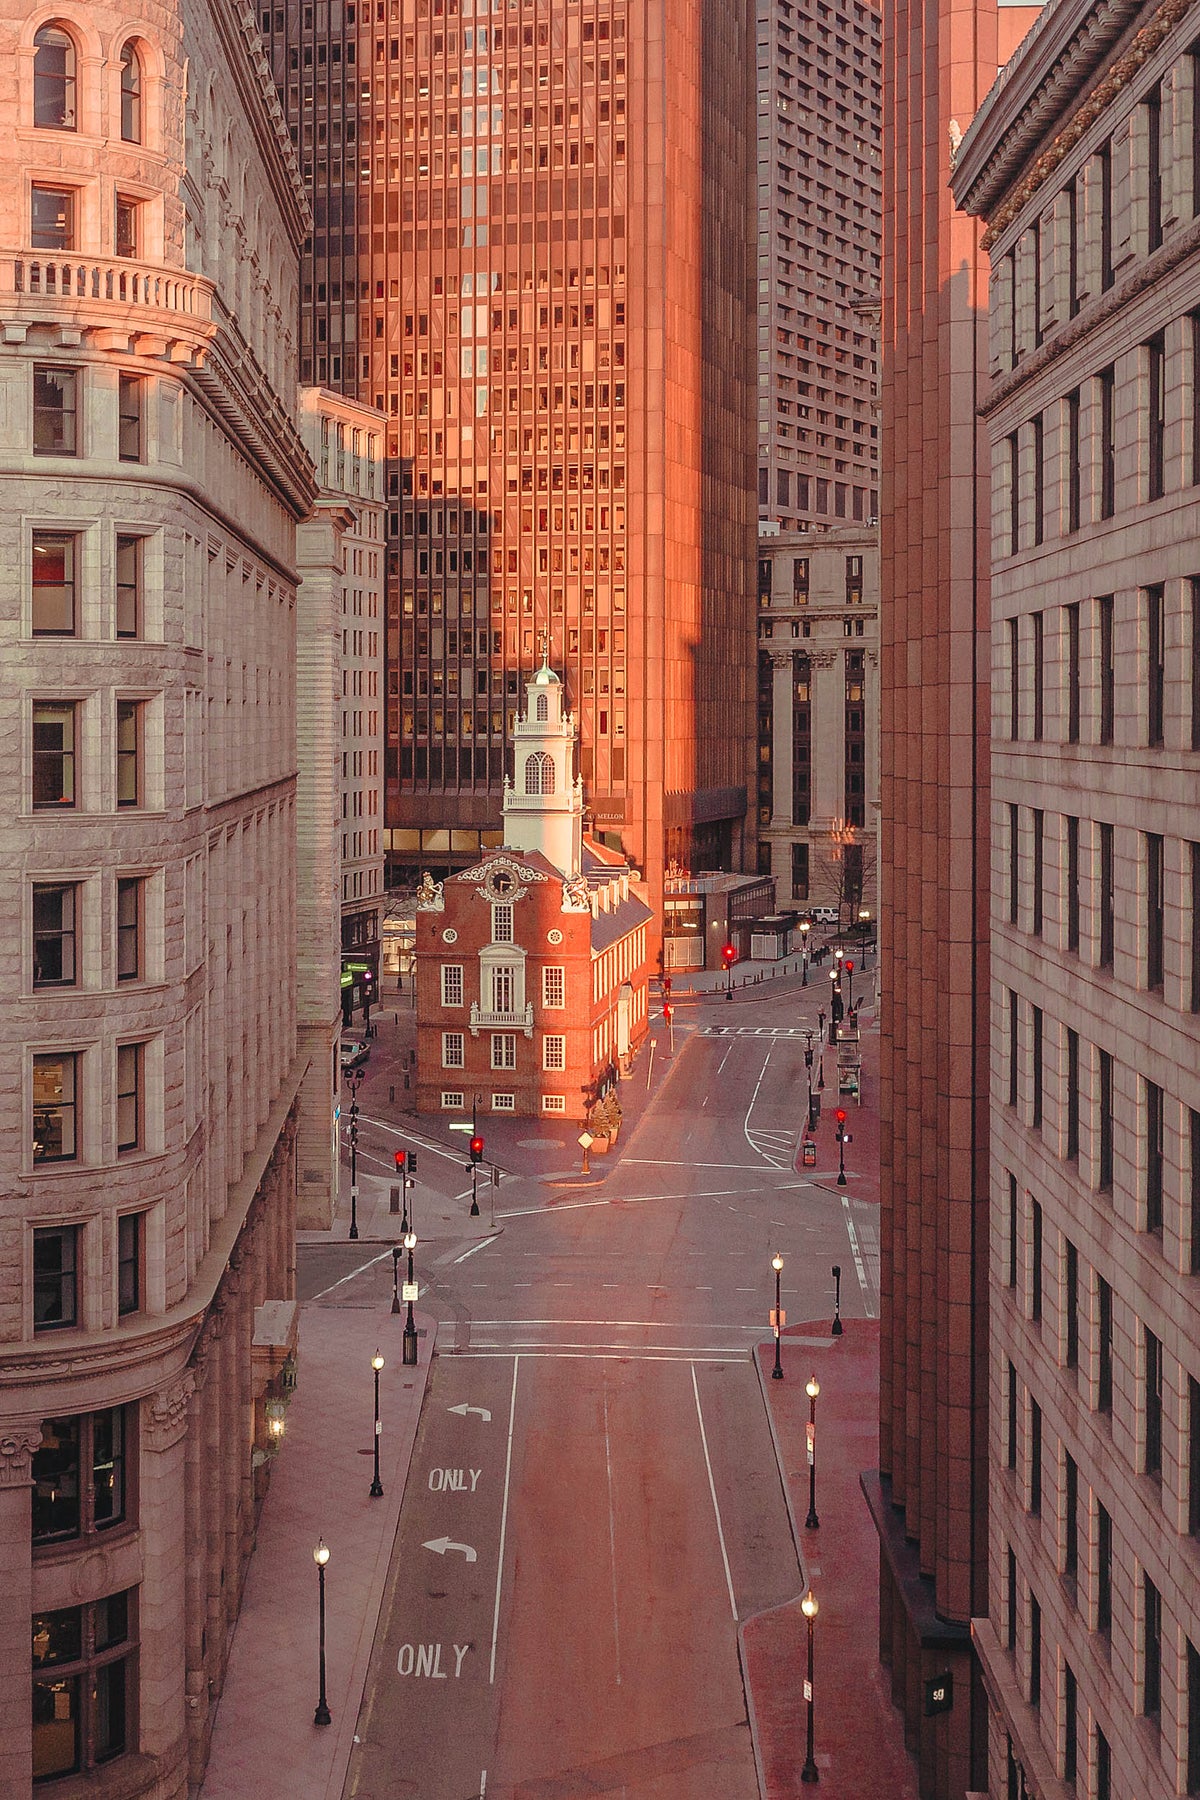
(809, 1154)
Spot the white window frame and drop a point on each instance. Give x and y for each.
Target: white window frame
(450, 1039)
(453, 1101)
(555, 1103)
(504, 1103)
(502, 922)
(504, 1049)
(558, 1038)
(452, 977)
(550, 971)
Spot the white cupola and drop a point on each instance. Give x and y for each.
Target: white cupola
(543, 804)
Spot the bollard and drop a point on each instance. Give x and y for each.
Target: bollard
(406, 1078)
(394, 1199)
(391, 1095)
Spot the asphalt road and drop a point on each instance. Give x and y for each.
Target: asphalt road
(577, 1545)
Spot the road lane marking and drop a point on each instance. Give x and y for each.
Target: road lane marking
(712, 1488)
(440, 1546)
(462, 1409)
(475, 1248)
(600, 1353)
(725, 1058)
(612, 1541)
(859, 1265)
(609, 1324)
(668, 1162)
(512, 1416)
(369, 1264)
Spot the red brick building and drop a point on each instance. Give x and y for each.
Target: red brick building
(532, 984)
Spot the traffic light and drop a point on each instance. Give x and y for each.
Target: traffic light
(667, 1012)
(729, 956)
(848, 966)
(476, 1149)
(840, 1116)
(401, 1162)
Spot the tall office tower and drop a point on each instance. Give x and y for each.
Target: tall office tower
(930, 1500)
(551, 297)
(819, 107)
(1083, 163)
(152, 479)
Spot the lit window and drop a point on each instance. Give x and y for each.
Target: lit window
(53, 754)
(55, 1081)
(83, 1687)
(54, 80)
(54, 584)
(79, 1475)
(51, 218)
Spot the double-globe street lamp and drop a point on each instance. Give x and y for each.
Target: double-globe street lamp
(805, 928)
(321, 1557)
(812, 1388)
(353, 1082)
(410, 1290)
(777, 1317)
(810, 1609)
(376, 1484)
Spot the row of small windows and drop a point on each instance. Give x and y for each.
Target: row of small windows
(56, 83)
(503, 1051)
(1063, 663)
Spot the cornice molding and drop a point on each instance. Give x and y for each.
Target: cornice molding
(239, 30)
(1181, 247)
(1002, 158)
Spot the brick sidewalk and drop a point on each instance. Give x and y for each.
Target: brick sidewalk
(858, 1734)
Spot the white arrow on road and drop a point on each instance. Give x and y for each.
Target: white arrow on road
(441, 1545)
(463, 1409)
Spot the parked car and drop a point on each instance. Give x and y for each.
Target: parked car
(354, 1052)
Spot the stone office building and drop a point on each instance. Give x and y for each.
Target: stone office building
(153, 477)
(818, 718)
(1082, 164)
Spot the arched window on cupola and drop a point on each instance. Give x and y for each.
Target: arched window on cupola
(543, 707)
(131, 94)
(539, 773)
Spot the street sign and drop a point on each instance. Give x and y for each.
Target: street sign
(810, 1438)
(460, 1125)
(808, 1690)
(586, 1139)
(782, 1320)
(410, 1291)
(939, 1694)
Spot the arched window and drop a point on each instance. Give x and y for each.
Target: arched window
(54, 79)
(131, 94)
(543, 707)
(539, 773)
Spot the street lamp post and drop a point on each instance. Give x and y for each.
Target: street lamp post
(808, 1069)
(321, 1557)
(410, 1327)
(840, 1116)
(849, 968)
(835, 1330)
(396, 1255)
(353, 1080)
(812, 1388)
(810, 1609)
(376, 1484)
(777, 1265)
(805, 928)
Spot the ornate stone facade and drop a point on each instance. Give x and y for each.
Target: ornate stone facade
(818, 718)
(151, 480)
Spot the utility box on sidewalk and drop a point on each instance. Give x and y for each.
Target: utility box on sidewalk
(809, 1154)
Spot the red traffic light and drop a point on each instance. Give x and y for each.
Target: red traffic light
(401, 1161)
(849, 966)
(729, 954)
(840, 1115)
(476, 1149)
(667, 1012)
